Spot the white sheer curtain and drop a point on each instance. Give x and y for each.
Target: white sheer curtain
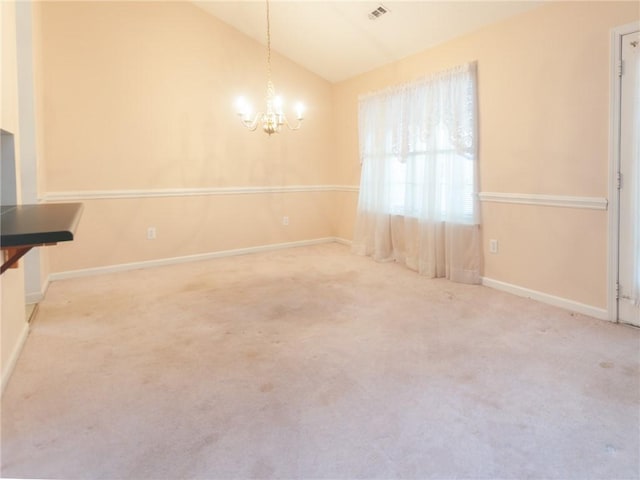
(635, 184)
(418, 200)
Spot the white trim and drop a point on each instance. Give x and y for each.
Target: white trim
(614, 164)
(13, 359)
(187, 258)
(190, 192)
(565, 303)
(36, 297)
(33, 297)
(593, 203)
(342, 241)
(27, 138)
(346, 188)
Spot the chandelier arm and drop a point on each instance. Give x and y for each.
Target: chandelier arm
(296, 127)
(251, 125)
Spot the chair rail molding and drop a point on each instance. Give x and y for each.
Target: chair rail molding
(566, 201)
(64, 196)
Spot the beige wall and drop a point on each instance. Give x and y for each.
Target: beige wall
(141, 96)
(543, 80)
(190, 225)
(12, 320)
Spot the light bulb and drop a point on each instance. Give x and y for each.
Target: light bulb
(299, 110)
(240, 105)
(243, 107)
(277, 104)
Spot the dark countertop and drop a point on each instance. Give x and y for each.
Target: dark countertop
(39, 224)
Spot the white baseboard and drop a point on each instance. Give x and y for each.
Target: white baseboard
(342, 241)
(7, 369)
(187, 258)
(567, 304)
(590, 310)
(37, 297)
(34, 297)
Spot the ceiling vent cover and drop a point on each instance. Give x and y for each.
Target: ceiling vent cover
(378, 12)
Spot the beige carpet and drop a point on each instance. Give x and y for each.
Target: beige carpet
(313, 363)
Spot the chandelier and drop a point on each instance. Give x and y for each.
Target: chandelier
(273, 118)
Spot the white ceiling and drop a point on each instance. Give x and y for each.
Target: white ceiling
(336, 39)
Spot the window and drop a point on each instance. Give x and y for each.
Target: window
(418, 193)
(407, 179)
(418, 149)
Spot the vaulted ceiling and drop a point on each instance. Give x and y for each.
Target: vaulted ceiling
(338, 40)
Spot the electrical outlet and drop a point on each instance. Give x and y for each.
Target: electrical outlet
(151, 233)
(493, 246)
(285, 221)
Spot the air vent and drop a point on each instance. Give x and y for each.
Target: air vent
(378, 12)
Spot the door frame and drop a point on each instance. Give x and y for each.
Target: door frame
(614, 165)
(34, 286)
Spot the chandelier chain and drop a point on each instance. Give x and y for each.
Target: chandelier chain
(268, 45)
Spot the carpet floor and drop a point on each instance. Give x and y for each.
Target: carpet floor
(314, 363)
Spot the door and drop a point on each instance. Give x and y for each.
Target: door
(629, 182)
